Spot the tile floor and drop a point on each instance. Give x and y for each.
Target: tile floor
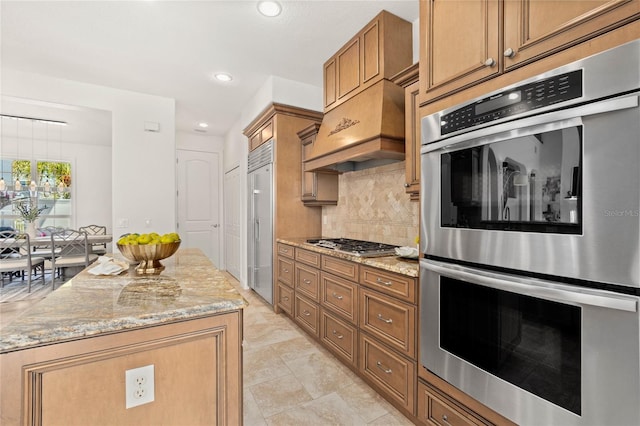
(289, 379)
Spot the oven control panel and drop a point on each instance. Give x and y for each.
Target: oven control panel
(542, 93)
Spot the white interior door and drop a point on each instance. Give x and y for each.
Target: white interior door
(199, 201)
(232, 222)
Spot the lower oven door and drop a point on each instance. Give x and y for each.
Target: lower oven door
(535, 351)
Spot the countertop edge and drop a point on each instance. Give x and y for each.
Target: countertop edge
(394, 264)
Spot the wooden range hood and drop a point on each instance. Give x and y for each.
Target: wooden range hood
(369, 126)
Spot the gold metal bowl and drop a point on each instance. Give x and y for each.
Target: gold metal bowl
(149, 255)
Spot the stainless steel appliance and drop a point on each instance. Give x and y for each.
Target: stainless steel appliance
(260, 229)
(355, 247)
(530, 233)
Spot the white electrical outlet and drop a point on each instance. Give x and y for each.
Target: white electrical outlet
(139, 386)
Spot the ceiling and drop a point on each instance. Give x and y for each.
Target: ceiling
(173, 48)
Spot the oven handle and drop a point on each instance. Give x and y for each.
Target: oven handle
(532, 286)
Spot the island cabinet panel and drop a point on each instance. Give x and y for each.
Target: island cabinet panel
(83, 381)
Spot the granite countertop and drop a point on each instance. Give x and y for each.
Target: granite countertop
(88, 305)
(395, 264)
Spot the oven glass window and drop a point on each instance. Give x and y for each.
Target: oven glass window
(529, 183)
(529, 342)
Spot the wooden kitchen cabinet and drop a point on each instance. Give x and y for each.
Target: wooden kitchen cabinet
(307, 315)
(291, 218)
(340, 337)
(434, 408)
(408, 79)
(465, 42)
(393, 374)
(285, 275)
(319, 188)
(380, 50)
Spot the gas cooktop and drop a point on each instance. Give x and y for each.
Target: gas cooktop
(355, 247)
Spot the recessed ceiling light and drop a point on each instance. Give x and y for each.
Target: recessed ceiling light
(223, 76)
(269, 8)
(203, 125)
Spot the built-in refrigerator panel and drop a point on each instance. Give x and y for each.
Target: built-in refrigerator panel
(260, 229)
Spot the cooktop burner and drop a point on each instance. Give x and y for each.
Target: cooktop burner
(355, 247)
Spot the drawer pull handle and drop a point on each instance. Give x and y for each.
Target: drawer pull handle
(383, 368)
(285, 298)
(286, 271)
(383, 319)
(284, 250)
(306, 313)
(306, 281)
(387, 283)
(338, 335)
(337, 296)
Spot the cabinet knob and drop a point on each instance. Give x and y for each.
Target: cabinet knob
(509, 53)
(490, 62)
(406, 185)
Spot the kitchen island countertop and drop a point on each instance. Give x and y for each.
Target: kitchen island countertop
(190, 287)
(395, 264)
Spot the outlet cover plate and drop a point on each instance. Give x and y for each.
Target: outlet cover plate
(139, 386)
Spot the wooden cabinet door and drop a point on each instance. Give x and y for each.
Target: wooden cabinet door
(412, 141)
(460, 44)
(536, 28)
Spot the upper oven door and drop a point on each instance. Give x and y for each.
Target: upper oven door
(554, 194)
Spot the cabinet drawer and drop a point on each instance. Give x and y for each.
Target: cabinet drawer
(339, 295)
(341, 268)
(285, 270)
(266, 132)
(307, 315)
(434, 409)
(339, 336)
(393, 374)
(286, 250)
(392, 321)
(400, 286)
(285, 298)
(308, 282)
(309, 257)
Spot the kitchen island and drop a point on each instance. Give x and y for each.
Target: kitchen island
(63, 361)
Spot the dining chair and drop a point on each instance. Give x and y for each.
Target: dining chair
(99, 248)
(69, 249)
(16, 258)
(44, 251)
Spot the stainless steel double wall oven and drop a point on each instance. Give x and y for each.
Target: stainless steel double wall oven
(530, 232)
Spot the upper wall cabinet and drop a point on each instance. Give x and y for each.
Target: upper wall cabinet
(380, 50)
(464, 42)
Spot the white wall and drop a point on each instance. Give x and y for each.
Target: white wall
(277, 90)
(143, 179)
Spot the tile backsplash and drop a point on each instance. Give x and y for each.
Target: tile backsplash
(373, 206)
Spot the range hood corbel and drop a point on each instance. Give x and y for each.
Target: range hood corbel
(368, 129)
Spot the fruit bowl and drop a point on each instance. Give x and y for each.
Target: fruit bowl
(149, 255)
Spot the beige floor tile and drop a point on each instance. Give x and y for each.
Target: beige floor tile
(295, 348)
(366, 402)
(252, 416)
(320, 373)
(328, 410)
(276, 330)
(261, 365)
(391, 419)
(279, 395)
